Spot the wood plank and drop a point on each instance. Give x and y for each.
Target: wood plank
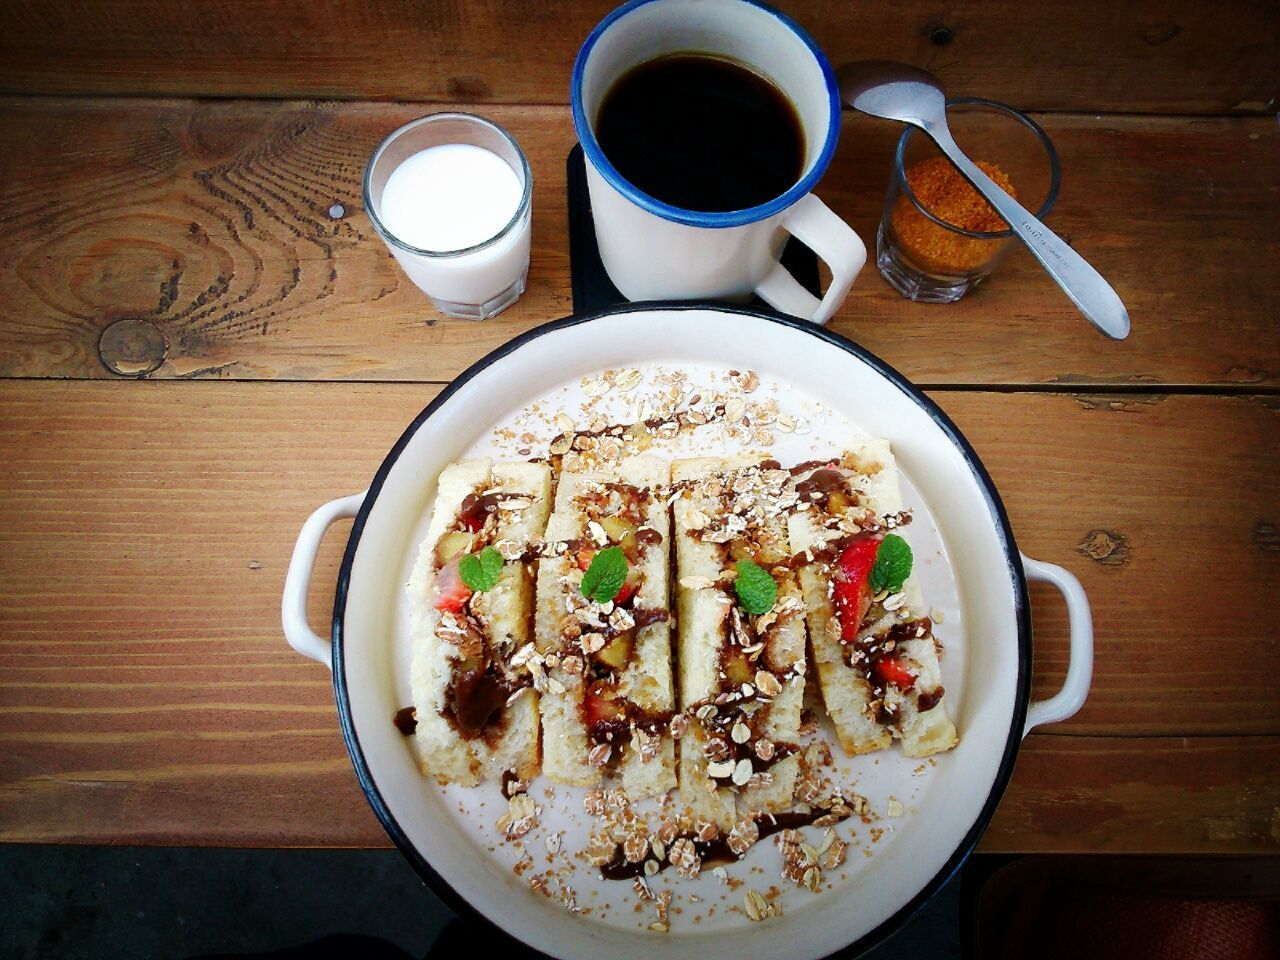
(1157, 795)
(1143, 56)
(146, 694)
(1165, 508)
(1142, 796)
(210, 221)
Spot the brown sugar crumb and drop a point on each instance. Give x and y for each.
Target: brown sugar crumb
(946, 194)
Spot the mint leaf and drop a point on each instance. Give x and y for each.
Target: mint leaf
(481, 571)
(606, 575)
(892, 566)
(756, 589)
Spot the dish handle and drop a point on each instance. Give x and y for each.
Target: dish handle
(1067, 701)
(293, 607)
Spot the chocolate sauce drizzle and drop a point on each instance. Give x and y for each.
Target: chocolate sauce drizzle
(476, 508)
(406, 720)
(716, 851)
(474, 698)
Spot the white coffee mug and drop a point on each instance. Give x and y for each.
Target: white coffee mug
(654, 251)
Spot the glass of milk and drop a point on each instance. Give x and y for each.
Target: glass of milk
(450, 195)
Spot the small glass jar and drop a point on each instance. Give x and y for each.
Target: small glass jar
(476, 281)
(923, 255)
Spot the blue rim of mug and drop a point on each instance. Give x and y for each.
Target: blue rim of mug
(371, 208)
(1051, 154)
(696, 218)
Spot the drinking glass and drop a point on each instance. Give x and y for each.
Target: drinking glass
(478, 281)
(919, 252)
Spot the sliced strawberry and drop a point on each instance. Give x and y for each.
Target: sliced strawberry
(888, 671)
(584, 556)
(852, 588)
(451, 592)
(626, 593)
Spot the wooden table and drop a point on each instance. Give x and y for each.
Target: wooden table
(195, 353)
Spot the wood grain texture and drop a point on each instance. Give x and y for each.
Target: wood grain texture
(1164, 508)
(1146, 795)
(146, 694)
(209, 220)
(1142, 56)
(1151, 795)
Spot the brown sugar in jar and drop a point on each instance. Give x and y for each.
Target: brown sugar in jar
(940, 189)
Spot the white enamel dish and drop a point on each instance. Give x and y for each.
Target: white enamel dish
(970, 569)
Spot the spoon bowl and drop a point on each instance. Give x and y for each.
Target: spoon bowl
(892, 91)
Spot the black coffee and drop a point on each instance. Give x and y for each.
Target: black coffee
(701, 133)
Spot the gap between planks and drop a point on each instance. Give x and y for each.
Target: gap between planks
(91, 98)
(1065, 387)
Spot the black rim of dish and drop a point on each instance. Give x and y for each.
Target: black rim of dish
(1013, 558)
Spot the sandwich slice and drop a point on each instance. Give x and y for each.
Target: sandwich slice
(874, 650)
(476, 711)
(741, 645)
(603, 630)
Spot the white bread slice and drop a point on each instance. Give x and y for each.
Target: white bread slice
(508, 608)
(847, 693)
(647, 681)
(932, 731)
(443, 753)
(708, 604)
(564, 732)
(703, 610)
(646, 762)
(512, 743)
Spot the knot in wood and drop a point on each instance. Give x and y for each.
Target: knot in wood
(1106, 547)
(132, 347)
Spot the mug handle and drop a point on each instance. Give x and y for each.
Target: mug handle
(812, 223)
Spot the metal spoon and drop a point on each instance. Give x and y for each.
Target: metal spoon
(898, 91)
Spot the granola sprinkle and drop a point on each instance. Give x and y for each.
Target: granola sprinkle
(758, 908)
(743, 836)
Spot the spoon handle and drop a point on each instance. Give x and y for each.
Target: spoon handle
(1081, 282)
